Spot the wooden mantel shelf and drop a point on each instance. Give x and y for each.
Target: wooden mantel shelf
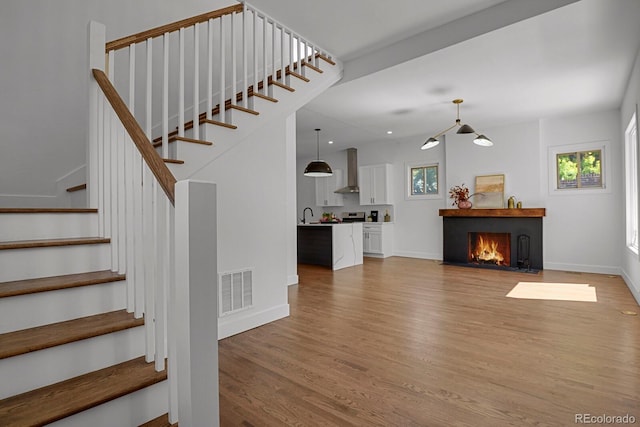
(494, 213)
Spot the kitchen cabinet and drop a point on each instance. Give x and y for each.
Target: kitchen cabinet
(375, 184)
(325, 187)
(377, 239)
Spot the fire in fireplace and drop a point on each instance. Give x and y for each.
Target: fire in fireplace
(489, 249)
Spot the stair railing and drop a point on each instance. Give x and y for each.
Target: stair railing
(157, 246)
(169, 73)
(203, 66)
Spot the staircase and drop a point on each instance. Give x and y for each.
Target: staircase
(84, 293)
(67, 343)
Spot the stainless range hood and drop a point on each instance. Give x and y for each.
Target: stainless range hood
(352, 173)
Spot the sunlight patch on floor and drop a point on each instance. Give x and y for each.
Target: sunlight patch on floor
(554, 291)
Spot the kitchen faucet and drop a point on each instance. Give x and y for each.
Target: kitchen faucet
(304, 211)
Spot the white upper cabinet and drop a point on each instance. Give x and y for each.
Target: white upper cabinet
(325, 188)
(375, 184)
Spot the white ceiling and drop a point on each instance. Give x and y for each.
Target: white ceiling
(576, 58)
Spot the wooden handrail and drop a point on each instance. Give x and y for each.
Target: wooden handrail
(151, 157)
(169, 28)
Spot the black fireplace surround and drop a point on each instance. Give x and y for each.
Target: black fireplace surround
(457, 224)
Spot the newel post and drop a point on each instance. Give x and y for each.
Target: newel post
(194, 318)
(96, 45)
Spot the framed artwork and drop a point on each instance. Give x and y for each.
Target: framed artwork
(489, 192)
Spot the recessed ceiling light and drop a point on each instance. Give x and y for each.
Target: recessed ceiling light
(329, 142)
(389, 132)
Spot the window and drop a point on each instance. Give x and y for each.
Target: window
(422, 181)
(631, 178)
(579, 169)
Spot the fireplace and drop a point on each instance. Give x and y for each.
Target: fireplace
(508, 239)
(489, 248)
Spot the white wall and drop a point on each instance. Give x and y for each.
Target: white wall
(581, 232)
(630, 260)
(43, 108)
(254, 228)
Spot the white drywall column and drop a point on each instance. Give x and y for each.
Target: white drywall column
(96, 55)
(196, 302)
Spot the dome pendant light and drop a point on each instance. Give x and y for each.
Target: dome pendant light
(318, 168)
(463, 129)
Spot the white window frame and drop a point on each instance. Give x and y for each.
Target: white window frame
(631, 184)
(603, 146)
(408, 181)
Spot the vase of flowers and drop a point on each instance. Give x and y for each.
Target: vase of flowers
(460, 195)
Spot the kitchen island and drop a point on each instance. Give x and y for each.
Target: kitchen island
(335, 245)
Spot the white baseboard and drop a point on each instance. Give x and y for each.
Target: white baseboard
(635, 290)
(249, 319)
(420, 255)
(582, 268)
(292, 280)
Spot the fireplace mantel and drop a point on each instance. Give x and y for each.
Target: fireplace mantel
(494, 213)
(460, 224)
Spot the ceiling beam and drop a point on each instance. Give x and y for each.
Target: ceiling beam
(449, 34)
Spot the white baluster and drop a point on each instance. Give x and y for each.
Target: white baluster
(121, 196)
(196, 82)
(245, 84)
(209, 69)
(165, 97)
(161, 277)
(223, 66)
(273, 52)
(180, 85)
(283, 66)
(138, 227)
(101, 165)
(150, 262)
(234, 63)
(255, 52)
(265, 78)
(291, 59)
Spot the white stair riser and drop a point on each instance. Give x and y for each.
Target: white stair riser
(42, 308)
(36, 226)
(40, 368)
(19, 264)
(131, 410)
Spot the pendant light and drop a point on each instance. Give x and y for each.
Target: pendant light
(481, 140)
(318, 168)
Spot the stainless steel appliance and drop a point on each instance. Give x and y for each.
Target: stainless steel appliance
(353, 217)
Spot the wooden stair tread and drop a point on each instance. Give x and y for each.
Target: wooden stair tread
(313, 67)
(63, 399)
(25, 244)
(324, 58)
(174, 161)
(191, 140)
(47, 336)
(259, 95)
(77, 188)
(282, 85)
(44, 284)
(217, 123)
(240, 108)
(161, 421)
(46, 210)
(174, 137)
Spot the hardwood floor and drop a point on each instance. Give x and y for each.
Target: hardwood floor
(408, 342)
